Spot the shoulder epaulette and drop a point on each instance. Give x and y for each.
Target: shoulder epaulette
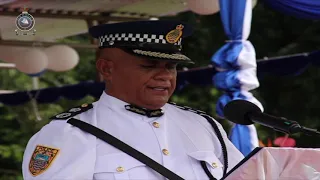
(72, 112)
(188, 109)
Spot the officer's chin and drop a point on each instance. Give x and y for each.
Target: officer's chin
(156, 102)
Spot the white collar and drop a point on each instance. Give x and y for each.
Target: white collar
(112, 102)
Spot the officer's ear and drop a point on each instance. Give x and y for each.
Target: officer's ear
(105, 67)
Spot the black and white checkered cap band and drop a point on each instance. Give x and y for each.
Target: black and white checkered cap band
(109, 39)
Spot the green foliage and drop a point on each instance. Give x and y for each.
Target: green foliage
(272, 34)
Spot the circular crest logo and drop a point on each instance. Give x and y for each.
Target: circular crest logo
(25, 21)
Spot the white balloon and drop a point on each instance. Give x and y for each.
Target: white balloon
(207, 7)
(203, 7)
(9, 53)
(61, 58)
(32, 61)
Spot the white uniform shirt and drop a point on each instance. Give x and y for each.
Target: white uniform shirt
(178, 140)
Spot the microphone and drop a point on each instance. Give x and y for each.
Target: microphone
(246, 113)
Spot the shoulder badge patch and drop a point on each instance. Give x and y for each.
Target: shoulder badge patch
(73, 112)
(174, 35)
(41, 159)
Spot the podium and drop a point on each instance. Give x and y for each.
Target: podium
(272, 163)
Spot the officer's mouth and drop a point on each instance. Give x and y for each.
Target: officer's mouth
(161, 90)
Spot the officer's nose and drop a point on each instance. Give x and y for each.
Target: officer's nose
(165, 74)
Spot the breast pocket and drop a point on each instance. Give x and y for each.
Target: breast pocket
(212, 162)
(120, 166)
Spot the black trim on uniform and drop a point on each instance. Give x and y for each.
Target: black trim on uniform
(72, 112)
(223, 145)
(124, 147)
(134, 153)
(217, 132)
(205, 168)
(249, 156)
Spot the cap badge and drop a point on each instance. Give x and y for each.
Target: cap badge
(174, 35)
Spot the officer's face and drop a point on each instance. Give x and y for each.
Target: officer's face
(141, 81)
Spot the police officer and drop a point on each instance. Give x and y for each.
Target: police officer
(138, 63)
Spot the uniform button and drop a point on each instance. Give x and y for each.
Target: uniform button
(215, 165)
(156, 124)
(165, 151)
(84, 105)
(120, 169)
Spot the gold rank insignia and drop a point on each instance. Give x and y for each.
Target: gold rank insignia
(156, 113)
(139, 111)
(144, 111)
(174, 35)
(41, 159)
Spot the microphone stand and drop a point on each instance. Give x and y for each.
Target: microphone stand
(309, 131)
(294, 127)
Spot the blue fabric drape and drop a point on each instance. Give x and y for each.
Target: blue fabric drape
(226, 59)
(235, 63)
(239, 135)
(305, 9)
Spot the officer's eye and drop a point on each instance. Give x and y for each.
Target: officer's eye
(148, 66)
(171, 66)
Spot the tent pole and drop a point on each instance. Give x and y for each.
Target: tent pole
(35, 83)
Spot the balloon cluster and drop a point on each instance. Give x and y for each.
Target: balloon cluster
(203, 7)
(207, 7)
(35, 61)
